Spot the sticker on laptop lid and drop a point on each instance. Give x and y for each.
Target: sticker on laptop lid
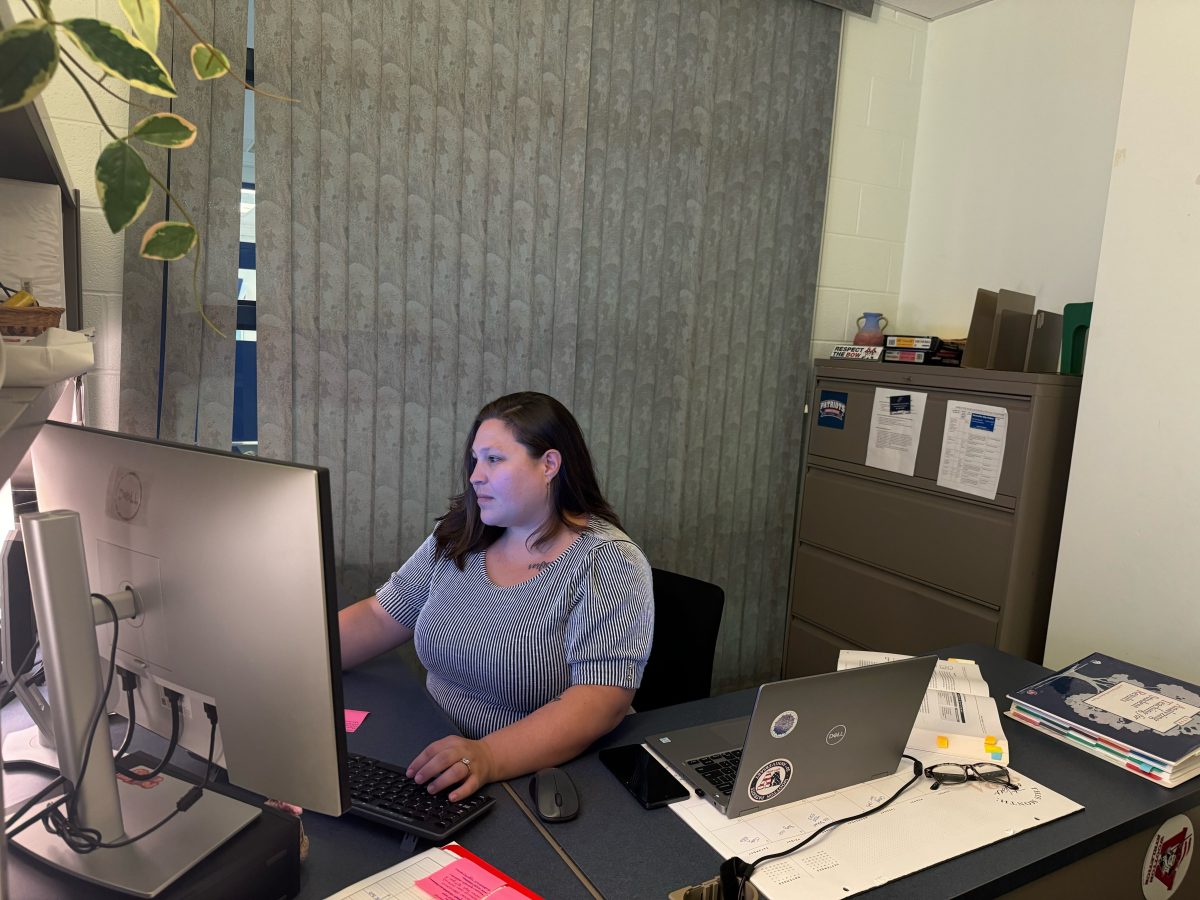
(784, 723)
(770, 780)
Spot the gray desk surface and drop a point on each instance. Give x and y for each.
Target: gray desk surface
(629, 852)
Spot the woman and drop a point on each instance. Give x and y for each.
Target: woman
(529, 607)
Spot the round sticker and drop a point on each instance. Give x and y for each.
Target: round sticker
(770, 780)
(784, 724)
(1167, 858)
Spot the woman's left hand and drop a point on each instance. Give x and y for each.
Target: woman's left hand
(453, 760)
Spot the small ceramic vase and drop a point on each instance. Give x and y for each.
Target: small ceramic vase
(870, 329)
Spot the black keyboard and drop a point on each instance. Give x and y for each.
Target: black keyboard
(381, 792)
(720, 769)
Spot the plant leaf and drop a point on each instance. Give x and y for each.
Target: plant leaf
(143, 16)
(121, 55)
(168, 240)
(208, 62)
(28, 59)
(166, 130)
(123, 183)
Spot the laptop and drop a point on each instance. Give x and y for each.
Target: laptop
(806, 736)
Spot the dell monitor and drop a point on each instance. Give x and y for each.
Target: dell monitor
(229, 559)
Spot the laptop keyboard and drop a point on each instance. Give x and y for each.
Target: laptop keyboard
(720, 769)
(380, 791)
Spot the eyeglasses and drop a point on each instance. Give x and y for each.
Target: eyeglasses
(955, 773)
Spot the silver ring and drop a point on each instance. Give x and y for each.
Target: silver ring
(466, 762)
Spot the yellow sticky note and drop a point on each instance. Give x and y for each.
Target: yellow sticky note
(989, 739)
(943, 742)
(968, 661)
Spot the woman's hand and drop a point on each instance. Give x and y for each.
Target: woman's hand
(441, 764)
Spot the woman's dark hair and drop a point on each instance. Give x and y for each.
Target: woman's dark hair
(539, 423)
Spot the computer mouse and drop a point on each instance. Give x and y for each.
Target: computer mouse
(554, 796)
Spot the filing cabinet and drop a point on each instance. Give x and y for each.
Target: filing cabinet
(886, 561)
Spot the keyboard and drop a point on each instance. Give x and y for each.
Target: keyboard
(720, 769)
(381, 792)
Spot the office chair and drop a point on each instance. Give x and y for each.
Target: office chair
(687, 617)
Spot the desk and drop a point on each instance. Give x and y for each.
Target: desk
(628, 852)
(403, 720)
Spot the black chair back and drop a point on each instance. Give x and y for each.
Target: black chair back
(687, 617)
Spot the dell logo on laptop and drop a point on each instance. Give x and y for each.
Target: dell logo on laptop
(835, 735)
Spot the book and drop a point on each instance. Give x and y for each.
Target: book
(1138, 718)
(1089, 744)
(912, 341)
(927, 350)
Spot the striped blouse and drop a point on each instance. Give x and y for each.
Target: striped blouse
(494, 654)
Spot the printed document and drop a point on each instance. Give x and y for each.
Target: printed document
(948, 675)
(957, 708)
(896, 419)
(441, 873)
(973, 448)
(921, 828)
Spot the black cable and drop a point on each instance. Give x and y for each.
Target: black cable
(83, 839)
(743, 872)
(98, 713)
(176, 726)
(34, 678)
(7, 290)
(129, 683)
(87, 840)
(19, 672)
(29, 804)
(211, 712)
(72, 795)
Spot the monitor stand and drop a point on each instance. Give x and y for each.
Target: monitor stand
(153, 863)
(116, 808)
(28, 745)
(35, 744)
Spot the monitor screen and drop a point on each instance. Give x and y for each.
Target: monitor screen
(18, 630)
(230, 559)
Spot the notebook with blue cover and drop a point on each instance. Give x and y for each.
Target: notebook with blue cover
(1139, 710)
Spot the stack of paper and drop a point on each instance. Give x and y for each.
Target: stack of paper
(1145, 722)
(447, 873)
(957, 717)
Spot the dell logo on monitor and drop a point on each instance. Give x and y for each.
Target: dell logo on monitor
(835, 735)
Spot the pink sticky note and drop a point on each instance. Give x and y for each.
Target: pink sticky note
(460, 880)
(354, 718)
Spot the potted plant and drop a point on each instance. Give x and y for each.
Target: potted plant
(34, 51)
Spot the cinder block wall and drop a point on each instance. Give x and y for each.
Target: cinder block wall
(875, 126)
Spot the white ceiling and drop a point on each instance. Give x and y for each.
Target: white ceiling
(931, 9)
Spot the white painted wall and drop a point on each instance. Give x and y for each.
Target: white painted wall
(875, 124)
(1127, 580)
(81, 139)
(1013, 152)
